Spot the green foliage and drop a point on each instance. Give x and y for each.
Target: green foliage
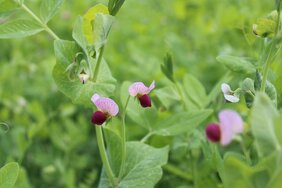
(8, 175)
(237, 64)
(19, 28)
(181, 123)
(263, 116)
(42, 120)
(80, 93)
(49, 8)
(143, 166)
(167, 67)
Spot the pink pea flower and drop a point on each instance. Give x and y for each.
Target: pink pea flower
(230, 124)
(229, 95)
(141, 91)
(106, 108)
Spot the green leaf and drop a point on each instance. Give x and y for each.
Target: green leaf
(65, 52)
(195, 90)
(114, 6)
(237, 173)
(180, 123)
(7, 5)
(142, 168)
(278, 129)
(101, 28)
(113, 141)
(89, 18)
(49, 8)
(8, 175)
(276, 180)
(237, 64)
(19, 2)
(167, 95)
(19, 28)
(167, 67)
(78, 34)
(262, 125)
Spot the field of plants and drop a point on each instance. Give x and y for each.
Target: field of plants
(140, 94)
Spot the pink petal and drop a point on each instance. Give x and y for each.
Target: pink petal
(231, 123)
(105, 105)
(94, 98)
(139, 88)
(225, 88)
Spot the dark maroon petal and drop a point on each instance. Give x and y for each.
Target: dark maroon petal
(145, 101)
(213, 132)
(98, 118)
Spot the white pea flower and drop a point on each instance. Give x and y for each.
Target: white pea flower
(229, 95)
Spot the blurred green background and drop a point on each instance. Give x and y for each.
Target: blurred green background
(53, 139)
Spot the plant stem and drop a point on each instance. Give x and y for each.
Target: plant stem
(145, 138)
(269, 58)
(103, 154)
(178, 172)
(98, 63)
(123, 137)
(266, 69)
(45, 27)
(246, 153)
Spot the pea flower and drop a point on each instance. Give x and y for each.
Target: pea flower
(106, 108)
(230, 124)
(229, 95)
(141, 91)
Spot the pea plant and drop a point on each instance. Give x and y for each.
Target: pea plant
(220, 147)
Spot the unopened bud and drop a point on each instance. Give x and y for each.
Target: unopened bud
(83, 77)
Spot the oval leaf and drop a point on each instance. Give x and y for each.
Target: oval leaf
(49, 8)
(8, 175)
(237, 64)
(263, 116)
(182, 123)
(142, 168)
(19, 28)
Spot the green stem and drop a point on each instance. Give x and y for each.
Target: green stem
(178, 172)
(269, 58)
(246, 152)
(146, 137)
(97, 67)
(45, 27)
(123, 136)
(103, 153)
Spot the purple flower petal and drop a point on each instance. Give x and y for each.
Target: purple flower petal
(138, 88)
(106, 105)
(95, 97)
(213, 132)
(231, 123)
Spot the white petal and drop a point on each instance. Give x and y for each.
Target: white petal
(231, 98)
(225, 88)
